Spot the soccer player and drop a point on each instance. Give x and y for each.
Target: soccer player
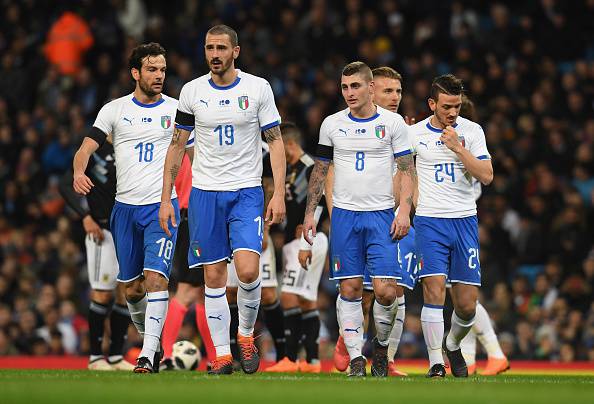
(363, 140)
(102, 264)
(141, 126)
(387, 94)
(451, 150)
(228, 109)
(190, 283)
(482, 327)
(302, 264)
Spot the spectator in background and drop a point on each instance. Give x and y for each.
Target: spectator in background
(67, 41)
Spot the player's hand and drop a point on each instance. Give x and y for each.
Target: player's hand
(166, 213)
(305, 259)
(93, 229)
(275, 213)
(82, 184)
(409, 120)
(400, 226)
(449, 137)
(309, 227)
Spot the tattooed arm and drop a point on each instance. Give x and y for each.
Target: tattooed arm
(314, 194)
(408, 181)
(275, 212)
(173, 161)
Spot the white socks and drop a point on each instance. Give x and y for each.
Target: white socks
(458, 331)
(468, 348)
(350, 313)
(218, 318)
(432, 324)
(396, 333)
(248, 303)
(156, 311)
(383, 317)
(137, 313)
(485, 333)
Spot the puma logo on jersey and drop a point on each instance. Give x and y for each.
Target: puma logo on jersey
(205, 102)
(216, 317)
(424, 144)
(355, 330)
(343, 131)
(128, 120)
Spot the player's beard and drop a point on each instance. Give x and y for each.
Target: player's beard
(224, 67)
(146, 88)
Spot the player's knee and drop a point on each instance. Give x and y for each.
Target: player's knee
(351, 289)
(466, 309)
(103, 297)
(155, 282)
(135, 291)
(386, 295)
(434, 290)
(268, 296)
(248, 275)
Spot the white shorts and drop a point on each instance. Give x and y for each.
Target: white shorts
(297, 280)
(102, 264)
(267, 270)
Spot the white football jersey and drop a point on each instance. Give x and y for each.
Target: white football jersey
(446, 189)
(364, 152)
(228, 125)
(141, 135)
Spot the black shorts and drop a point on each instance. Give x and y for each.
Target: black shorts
(181, 272)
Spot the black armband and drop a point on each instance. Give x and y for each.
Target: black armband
(325, 152)
(97, 135)
(184, 120)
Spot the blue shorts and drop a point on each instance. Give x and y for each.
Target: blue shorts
(407, 260)
(449, 247)
(141, 245)
(361, 241)
(222, 222)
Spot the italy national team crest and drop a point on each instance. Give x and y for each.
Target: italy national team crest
(336, 263)
(165, 121)
(380, 131)
(195, 248)
(462, 141)
(244, 102)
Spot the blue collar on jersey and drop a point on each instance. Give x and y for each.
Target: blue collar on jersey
(434, 129)
(230, 86)
(364, 119)
(153, 105)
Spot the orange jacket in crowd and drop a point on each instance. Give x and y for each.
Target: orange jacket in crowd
(67, 41)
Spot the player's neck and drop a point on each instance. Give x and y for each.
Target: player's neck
(226, 79)
(365, 111)
(435, 123)
(143, 98)
(294, 157)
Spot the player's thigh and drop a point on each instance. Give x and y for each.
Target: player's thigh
(102, 263)
(347, 242)
(128, 241)
(466, 267)
(381, 249)
(158, 246)
(433, 239)
(246, 223)
(207, 221)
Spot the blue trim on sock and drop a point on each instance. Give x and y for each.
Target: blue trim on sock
(433, 306)
(216, 296)
(249, 290)
(159, 300)
(351, 300)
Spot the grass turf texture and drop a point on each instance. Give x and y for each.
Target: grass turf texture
(57, 386)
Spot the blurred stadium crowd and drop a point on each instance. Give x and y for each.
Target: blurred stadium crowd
(528, 66)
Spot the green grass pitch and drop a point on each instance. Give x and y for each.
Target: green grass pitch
(69, 386)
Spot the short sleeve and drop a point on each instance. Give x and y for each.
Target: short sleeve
(268, 115)
(105, 120)
(400, 138)
(478, 145)
(184, 118)
(325, 134)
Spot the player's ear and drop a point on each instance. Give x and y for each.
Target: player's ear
(135, 73)
(432, 104)
(236, 52)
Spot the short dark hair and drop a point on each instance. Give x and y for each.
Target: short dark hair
(289, 130)
(142, 51)
(446, 84)
(223, 29)
(358, 68)
(386, 71)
